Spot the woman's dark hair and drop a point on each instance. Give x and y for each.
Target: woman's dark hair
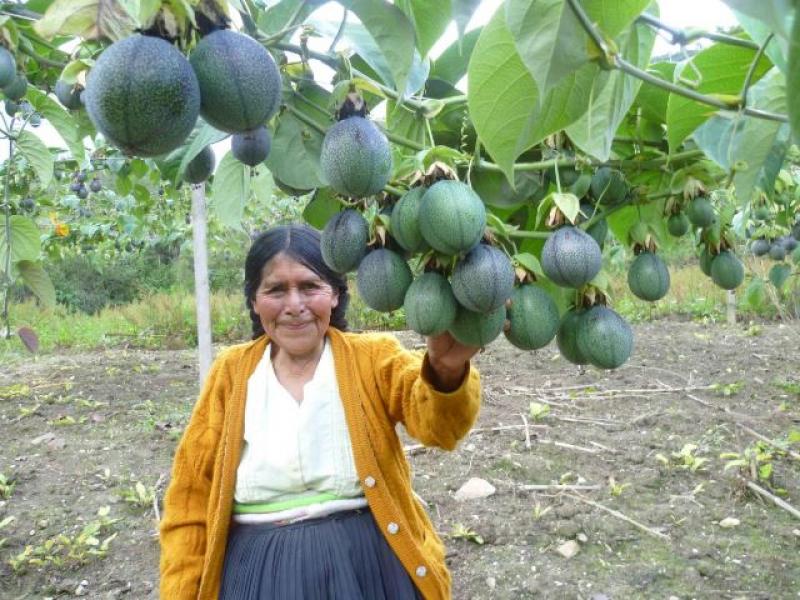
(301, 243)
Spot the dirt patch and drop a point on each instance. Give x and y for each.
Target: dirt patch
(80, 431)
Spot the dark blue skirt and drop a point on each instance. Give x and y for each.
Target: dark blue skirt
(343, 556)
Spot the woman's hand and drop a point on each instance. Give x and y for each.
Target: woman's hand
(448, 358)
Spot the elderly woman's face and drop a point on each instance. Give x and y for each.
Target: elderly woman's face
(295, 305)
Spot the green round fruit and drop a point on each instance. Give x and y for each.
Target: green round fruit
(430, 305)
(11, 108)
(142, 95)
(604, 338)
(566, 337)
(240, 85)
(777, 251)
(344, 240)
(789, 243)
(586, 212)
(759, 247)
(17, 89)
(251, 147)
(477, 329)
(8, 67)
(762, 213)
(705, 261)
(571, 257)
(678, 224)
(451, 217)
(356, 158)
(483, 279)
(566, 176)
(404, 221)
(200, 167)
(599, 232)
(700, 212)
(608, 186)
(648, 277)
(533, 316)
(382, 279)
(69, 95)
(727, 271)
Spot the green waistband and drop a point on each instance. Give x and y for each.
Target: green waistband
(241, 509)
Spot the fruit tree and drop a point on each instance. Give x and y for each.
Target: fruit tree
(448, 184)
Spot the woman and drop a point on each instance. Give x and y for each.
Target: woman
(290, 481)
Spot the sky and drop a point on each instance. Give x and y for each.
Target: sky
(705, 14)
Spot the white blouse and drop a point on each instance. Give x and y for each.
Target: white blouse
(295, 453)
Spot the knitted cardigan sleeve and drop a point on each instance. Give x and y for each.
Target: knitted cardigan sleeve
(434, 418)
(183, 527)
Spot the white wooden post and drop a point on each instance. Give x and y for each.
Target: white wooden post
(202, 292)
(731, 312)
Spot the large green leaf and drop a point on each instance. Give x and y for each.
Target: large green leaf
(462, 14)
(719, 69)
(294, 155)
(451, 65)
(429, 17)
(90, 19)
(778, 48)
(231, 191)
(60, 119)
(594, 132)
(277, 17)
(502, 95)
(37, 154)
(551, 40)
(361, 40)
(653, 99)
(25, 244)
(392, 32)
(38, 281)
(776, 14)
(752, 146)
(322, 206)
(793, 79)
(504, 101)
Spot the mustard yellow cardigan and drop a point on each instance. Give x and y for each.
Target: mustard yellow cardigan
(380, 384)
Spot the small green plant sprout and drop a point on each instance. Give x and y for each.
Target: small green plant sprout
(616, 489)
(17, 390)
(539, 512)
(539, 411)
(4, 523)
(683, 459)
(27, 411)
(755, 461)
(139, 496)
(461, 531)
(727, 389)
(68, 550)
(7, 485)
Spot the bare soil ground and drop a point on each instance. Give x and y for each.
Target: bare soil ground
(79, 431)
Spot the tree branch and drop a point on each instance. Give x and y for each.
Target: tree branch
(681, 38)
(749, 77)
(617, 62)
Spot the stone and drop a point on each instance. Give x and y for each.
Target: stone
(568, 549)
(474, 488)
(729, 522)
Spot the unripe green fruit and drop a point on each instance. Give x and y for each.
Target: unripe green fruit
(678, 224)
(700, 212)
(17, 88)
(8, 67)
(727, 270)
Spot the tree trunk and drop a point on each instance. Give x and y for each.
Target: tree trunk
(201, 288)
